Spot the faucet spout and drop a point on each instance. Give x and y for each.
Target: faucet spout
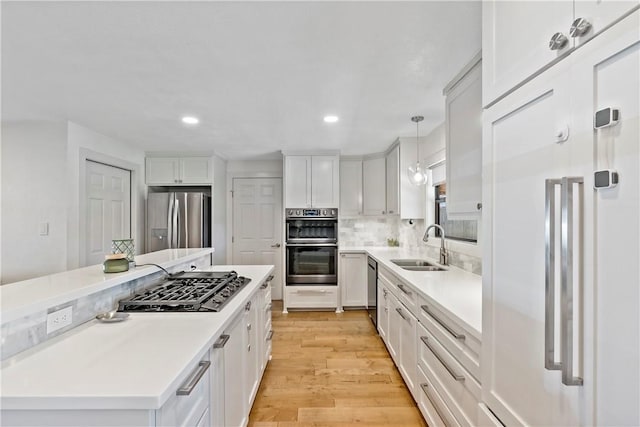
(444, 255)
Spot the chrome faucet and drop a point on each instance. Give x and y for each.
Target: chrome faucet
(444, 255)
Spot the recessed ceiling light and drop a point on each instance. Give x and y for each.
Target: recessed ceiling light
(190, 120)
(330, 119)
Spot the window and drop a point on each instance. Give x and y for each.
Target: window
(463, 230)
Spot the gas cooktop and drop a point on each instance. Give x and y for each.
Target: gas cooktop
(188, 291)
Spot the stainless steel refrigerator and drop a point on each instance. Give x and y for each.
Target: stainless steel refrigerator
(178, 219)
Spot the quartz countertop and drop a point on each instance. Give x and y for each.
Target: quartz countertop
(457, 292)
(134, 364)
(23, 298)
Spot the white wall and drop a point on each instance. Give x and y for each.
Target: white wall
(83, 144)
(219, 212)
(42, 163)
(34, 188)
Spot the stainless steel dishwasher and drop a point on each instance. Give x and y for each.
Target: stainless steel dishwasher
(372, 290)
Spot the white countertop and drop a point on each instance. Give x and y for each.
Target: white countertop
(135, 364)
(457, 292)
(23, 298)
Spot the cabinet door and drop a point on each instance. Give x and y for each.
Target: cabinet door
(196, 170)
(412, 197)
(516, 41)
(235, 357)
(325, 181)
(353, 280)
(297, 170)
(350, 187)
(217, 387)
(407, 347)
(162, 171)
(521, 152)
(252, 349)
(601, 13)
(393, 333)
(373, 186)
(383, 312)
(393, 181)
(463, 128)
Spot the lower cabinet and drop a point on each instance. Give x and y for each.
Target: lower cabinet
(353, 279)
(435, 356)
(235, 407)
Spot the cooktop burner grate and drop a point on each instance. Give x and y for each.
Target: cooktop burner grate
(190, 291)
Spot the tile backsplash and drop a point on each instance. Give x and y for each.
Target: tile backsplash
(374, 231)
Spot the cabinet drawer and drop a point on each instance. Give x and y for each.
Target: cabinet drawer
(387, 278)
(312, 296)
(405, 293)
(430, 403)
(187, 406)
(459, 390)
(464, 347)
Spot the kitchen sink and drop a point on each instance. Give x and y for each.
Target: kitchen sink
(417, 265)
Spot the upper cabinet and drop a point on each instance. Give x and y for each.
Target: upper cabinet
(373, 186)
(463, 136)
(350, 187)
(312, 181)
(410, 198)
(393, 181)
(524, 37)
(178, 170)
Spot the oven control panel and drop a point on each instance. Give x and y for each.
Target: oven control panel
(312, 213)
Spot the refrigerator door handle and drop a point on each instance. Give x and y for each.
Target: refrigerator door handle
(176, 221)
(567, 300)
(550, 267)
(170, 223)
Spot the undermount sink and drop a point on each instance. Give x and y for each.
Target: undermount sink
(417, 265)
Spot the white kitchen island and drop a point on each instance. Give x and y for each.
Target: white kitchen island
(128, 373)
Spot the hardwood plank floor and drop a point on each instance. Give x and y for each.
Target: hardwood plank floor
(330, 370)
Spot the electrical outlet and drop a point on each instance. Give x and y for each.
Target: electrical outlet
(59, 319)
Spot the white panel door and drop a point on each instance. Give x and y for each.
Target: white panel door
(325, 181)
(196, 170)
(373, 186)
(353, 279)
(162, 171)
(520, 153)
(350, 187)
(107, 200)
(297, 172)
(515, 40)
(257, 225)
(393, 181)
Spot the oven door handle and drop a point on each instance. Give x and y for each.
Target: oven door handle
(312, 245)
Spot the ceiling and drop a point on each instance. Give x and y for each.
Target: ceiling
(259, 75)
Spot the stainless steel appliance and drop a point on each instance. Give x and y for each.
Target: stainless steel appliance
(188, 291)
(372, 290)
(178, 219)
(312, 246)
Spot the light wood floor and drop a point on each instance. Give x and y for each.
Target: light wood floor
(333, 370)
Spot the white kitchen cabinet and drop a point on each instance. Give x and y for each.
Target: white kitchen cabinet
(407, 346)
(393, 332)
(392, 161)
(253, 351)
(350, 187)
(216, 378)
(374, 186)
(516, 36)
(463, 136)
(178, 170)
(411, 198)
(312, 181)
(353, 279)
(236, 411)
(544, 130)
(383, 312)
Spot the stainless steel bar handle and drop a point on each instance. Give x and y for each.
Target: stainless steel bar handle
(400, 313)
(424, 387)
(566, 289)
(176, 223)
(170, 223)
(222, 341)
(455, 334)
(455, 376)
(402, 288)
(270, 336)
(187, 389)
(549, 275)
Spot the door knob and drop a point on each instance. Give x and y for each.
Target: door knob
(558, 41)
(277, 245)
(579, 27)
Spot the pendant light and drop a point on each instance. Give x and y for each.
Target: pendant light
(417, 175)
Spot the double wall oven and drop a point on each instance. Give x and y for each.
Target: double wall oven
(312, 246)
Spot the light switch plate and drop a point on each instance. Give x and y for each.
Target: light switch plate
(59, 319)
